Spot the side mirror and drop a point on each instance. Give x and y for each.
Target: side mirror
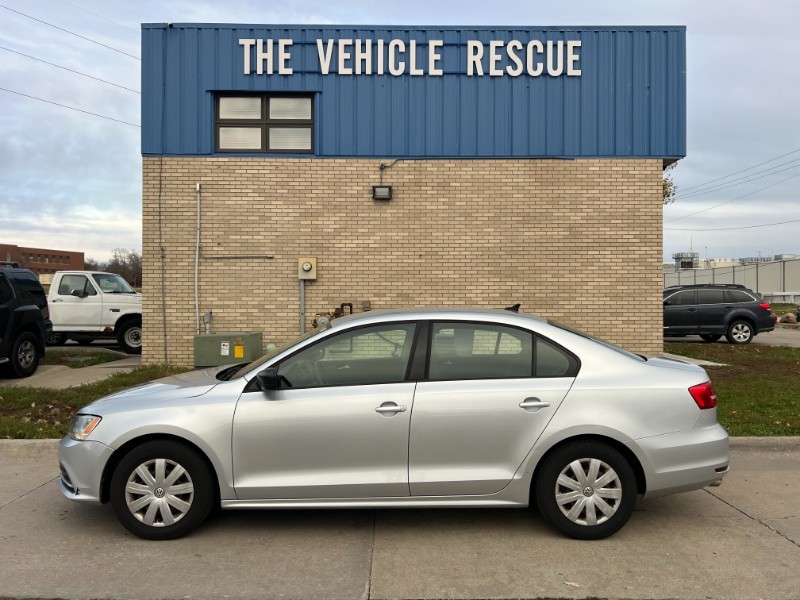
(78, 294)
(268, 379)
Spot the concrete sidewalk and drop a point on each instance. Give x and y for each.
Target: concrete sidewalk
(59, 377)
(740, 540)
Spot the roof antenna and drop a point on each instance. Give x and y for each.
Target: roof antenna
(514, 308)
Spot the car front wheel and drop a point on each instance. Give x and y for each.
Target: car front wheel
(586, 490)
(161, 490)
(740, 332)
(130, 337)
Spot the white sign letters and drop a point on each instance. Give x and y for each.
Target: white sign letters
(397, 58)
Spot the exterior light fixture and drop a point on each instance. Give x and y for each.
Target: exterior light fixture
(381, 192)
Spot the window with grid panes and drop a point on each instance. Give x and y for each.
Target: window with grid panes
(265, 123)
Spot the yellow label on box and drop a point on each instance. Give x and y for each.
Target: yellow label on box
(238, 352)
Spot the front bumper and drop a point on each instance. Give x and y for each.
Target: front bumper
(82, 465)
(686, 460)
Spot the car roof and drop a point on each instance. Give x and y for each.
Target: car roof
(429, 313)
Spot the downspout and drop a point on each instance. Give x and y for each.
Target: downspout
(197, 264)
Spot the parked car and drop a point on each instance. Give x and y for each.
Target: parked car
(439, 408)
(24, 320)
(89, 305)
(712, 311)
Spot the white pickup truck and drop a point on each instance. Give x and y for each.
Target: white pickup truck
(89, 304)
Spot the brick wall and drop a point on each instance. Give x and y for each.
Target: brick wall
(574, 240)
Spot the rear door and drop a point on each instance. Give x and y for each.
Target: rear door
(6, 298)
(712, 311)
(482, 406)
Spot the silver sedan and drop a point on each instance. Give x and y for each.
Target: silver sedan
(418, 408)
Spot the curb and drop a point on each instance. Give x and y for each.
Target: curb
(28, 448)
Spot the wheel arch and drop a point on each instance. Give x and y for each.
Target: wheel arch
(124, 319)
(627, 453)
(119, 454)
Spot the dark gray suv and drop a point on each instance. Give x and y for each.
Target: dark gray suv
(714, 310)
(24, 320)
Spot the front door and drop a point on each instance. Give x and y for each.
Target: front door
(338, 425)
(680, 313)
(76, 306)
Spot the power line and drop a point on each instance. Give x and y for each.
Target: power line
(70, 70)
(70, 107)
(101, 17)
(732, 228)
(741, 170)
(83, 37)
(747, 178)
(733, 199)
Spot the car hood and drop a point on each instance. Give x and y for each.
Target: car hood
(126, 299)
(157, 393)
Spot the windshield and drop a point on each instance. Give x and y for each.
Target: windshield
(112, 284)
(600, 341)
(256, 364)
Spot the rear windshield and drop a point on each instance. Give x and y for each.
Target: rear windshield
(29, 288)
(602, 342)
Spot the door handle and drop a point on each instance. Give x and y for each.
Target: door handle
(691, 310)
(533, 403)
(57, 300)
(389, 408)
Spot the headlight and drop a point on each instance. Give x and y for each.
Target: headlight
(82, 426)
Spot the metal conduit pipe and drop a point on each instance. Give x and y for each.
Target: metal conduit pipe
(197, 264)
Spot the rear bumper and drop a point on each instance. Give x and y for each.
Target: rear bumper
(685, 461)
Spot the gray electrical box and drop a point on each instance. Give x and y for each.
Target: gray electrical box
(217, 349)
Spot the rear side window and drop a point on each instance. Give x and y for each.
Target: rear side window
(479, 351)
(739, 296)
(710, 297)
(30, 290)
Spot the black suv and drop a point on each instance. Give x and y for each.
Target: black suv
(714, 310)
(24, 320)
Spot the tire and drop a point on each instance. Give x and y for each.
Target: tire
(572, 508)
(148, 504)
(25, 355)
(56, 339)
(710, 337)
(740, 332)
(129, 336)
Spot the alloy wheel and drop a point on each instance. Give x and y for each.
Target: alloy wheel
(26, 354)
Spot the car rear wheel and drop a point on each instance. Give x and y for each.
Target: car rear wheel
(740, 332)
(25, 355)
(710, 337)
(586, 490)
(161, 490)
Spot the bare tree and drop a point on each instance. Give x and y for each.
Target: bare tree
(669, 188)
(127, 263)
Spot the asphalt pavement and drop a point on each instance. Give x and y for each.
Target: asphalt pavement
(739, 540)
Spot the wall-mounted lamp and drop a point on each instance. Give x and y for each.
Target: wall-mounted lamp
(381, 192)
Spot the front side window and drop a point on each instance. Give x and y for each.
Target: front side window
(479, 351)
(5, 290)
(684, 298)
(72, 283)
(364, 356)
(264, 123)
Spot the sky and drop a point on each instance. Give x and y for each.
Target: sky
(72, 181)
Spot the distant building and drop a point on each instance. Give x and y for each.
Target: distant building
(42, 261)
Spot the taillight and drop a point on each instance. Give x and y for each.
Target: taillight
(765, 305)
(704, 395)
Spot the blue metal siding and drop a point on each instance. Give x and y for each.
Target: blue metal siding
(630, 100)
